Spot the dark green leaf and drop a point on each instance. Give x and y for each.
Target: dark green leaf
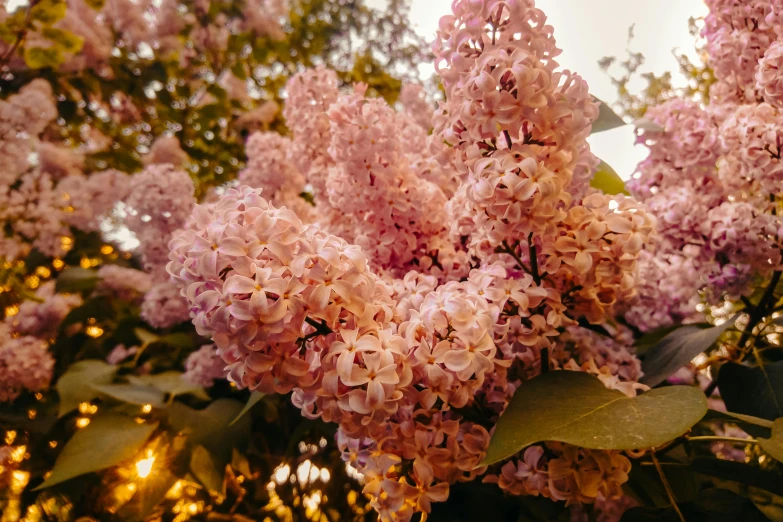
(773, 446)
(252, 401)
(739, 472)
(132, 393)
(712, 505)
(607, 181)
(650, 339)
(677, 349)
(207, 470)
(109, 440)
(75, 385)
(753, 391)
(211, 427)
(737, 418)
(576, 408)
(607, 119)
(77, 279)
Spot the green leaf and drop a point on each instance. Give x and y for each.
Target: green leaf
(753, 425)
(752, 391)
(95, 4)
(252, 401)
(739, 472)
(64, 40)
(48, 12)
(576, 408)
(677, 349)
(132, 393)
(42, 57)
(712, 505)
(145, 336)
(647, 124)
(110, 439)
(607, 181)
(211, 427)
(75, 385)
(207, 470)
(77, 279)
(170, 382)
(607, 119)
(774, 445)
(650, 339)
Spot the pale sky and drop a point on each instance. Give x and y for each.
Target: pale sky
(588, 30)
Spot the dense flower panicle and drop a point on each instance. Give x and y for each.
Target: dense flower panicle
(42, 318)
(270, 167)
(160, 199)
(58, 161)
(25, 365)
(768, 76)
(163, 306)
(204, 366)
(439, 268)
(737, 35)
(414, 101)
(125, 283)
(86, 200)
(166, 150)
(309, 95)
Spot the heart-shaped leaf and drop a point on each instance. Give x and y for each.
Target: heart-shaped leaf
(607, 180)
(774, 445)
(75, 385)
(576, 408)
(677, 349)
(212, 427)
(170, 382)
(607, 118)
(108, 440)
(132, 393)
(756, 391)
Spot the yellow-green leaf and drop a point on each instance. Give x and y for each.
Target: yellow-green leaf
(252, 401)
(75, 385)
(607, 180)
(207, 470)
(48, 12)
(170, 382)
(132, 393)
(576, 408)
(64, 40)
(110, 439)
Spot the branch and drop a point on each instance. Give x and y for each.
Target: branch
(667, 487)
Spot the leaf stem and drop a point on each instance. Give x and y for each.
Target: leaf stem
(667, 487)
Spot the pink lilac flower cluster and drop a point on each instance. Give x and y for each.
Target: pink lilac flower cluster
(164, 27)
(25, 364)
(127, 284)
(270, 167)
(204, 366)
(42, 317)
(421, 292)
(712, 174)
(160, 199)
